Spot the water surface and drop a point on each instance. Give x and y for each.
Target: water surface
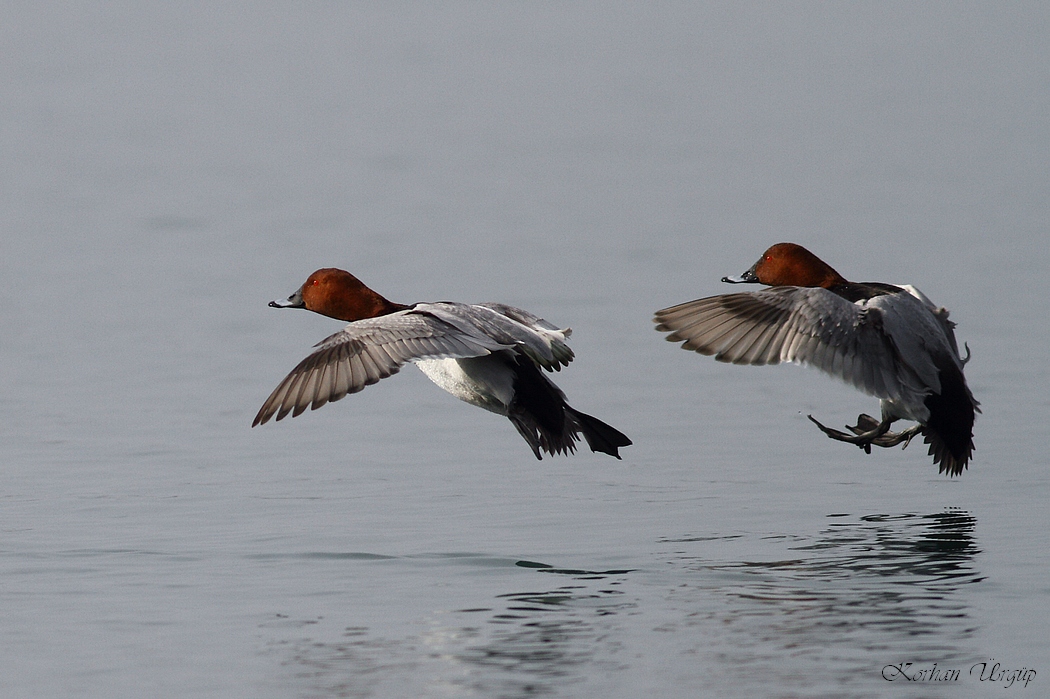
(172, 169)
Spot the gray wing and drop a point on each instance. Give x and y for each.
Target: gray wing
(364, 352)
(536, 338)
(940, 314)
(809, 326)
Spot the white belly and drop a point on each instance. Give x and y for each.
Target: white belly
(486, 382)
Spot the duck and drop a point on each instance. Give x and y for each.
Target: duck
(490, 355)
(889, 341)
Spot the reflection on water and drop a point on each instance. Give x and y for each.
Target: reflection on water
(864, 592)
(357, 665)
(936, 549)
(539, 640)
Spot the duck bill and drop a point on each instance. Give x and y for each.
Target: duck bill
(748, 277)
(293, 301)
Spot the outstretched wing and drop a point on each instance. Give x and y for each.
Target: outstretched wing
(364, 352)
(803, 325)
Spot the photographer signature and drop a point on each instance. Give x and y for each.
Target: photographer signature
(990, 671)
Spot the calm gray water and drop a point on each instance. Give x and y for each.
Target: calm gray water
(169, 168)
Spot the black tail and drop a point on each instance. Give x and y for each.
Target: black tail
(949, 430)
(545, 420)
(600, 436)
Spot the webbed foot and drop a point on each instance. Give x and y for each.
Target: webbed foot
(869, 431)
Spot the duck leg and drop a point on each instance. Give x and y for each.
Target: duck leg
(869, 431)
(889, 439)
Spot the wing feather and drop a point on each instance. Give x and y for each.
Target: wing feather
(363, 353)
(369, 350)
(810, 326)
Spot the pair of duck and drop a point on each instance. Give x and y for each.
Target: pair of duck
(888, 341)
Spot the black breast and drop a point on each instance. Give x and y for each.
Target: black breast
(860, 291)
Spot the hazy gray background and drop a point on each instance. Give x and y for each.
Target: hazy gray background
(170, 168)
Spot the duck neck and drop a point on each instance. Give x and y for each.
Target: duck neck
(363, 304)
